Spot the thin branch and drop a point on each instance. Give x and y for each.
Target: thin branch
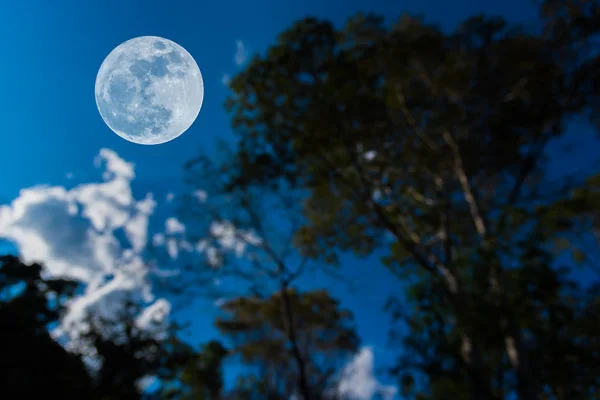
(420, 197)
(411, 120)
(425, 262)
(299, 270)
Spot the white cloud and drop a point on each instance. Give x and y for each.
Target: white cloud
(158, 239)
(233, 239)
(201, 195)
(213, 257)
(222, 238)
(147, 382)
(155, 316)
(219, 302)
(94, 233)
(172, 248)
(241, 54)
(172, 238)
(358, 381)
(170, 197)
(172, 225)
(115, 165)
(225, 79)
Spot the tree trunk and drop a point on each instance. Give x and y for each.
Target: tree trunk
(288, 317)
(516, 350)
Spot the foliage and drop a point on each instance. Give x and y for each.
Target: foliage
(36, 365)
(260, 335)
(33, 364)
(248, 240)
(203, 374)
(432, 146)
(124, 354)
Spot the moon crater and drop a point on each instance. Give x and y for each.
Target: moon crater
(149, 90)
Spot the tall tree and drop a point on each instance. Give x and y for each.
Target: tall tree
(432, 146)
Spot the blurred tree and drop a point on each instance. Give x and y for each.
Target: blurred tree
(573, 30)
(259, 334)
(33, 364)
(555, 314)
(246, 233)
(203, 374)
(432, 145)
(124, 353)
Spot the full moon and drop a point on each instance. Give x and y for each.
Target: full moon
(149, 90)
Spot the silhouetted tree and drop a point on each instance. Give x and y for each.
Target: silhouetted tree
(33, 364)
(125, 353)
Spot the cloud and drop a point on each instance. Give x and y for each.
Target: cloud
(155, 317)
(201, 195)
(219, 302)
(115, 165)
(94, 233)
(172, 225)
(158, 239)
(147, 383)
(241, 54)
(225, 79)
(170, 197)
(358, 381)
(232, 239)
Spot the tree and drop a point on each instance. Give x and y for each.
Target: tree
(33, 363)
(203, 374)
(257, 329)
(554, 312)
(432, 146)
(124, 353)
(573, 29)
(246, 232)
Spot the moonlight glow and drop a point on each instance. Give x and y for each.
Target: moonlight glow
(149, 90)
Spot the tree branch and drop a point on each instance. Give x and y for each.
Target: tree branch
(474, 208)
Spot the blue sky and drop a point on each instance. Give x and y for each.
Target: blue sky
(52, 51)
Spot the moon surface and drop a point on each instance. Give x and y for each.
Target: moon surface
(149, 90)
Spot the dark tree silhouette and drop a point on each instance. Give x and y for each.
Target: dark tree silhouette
(203, 374)
(34, 365)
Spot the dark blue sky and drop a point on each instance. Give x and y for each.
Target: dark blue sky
(51, 53)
